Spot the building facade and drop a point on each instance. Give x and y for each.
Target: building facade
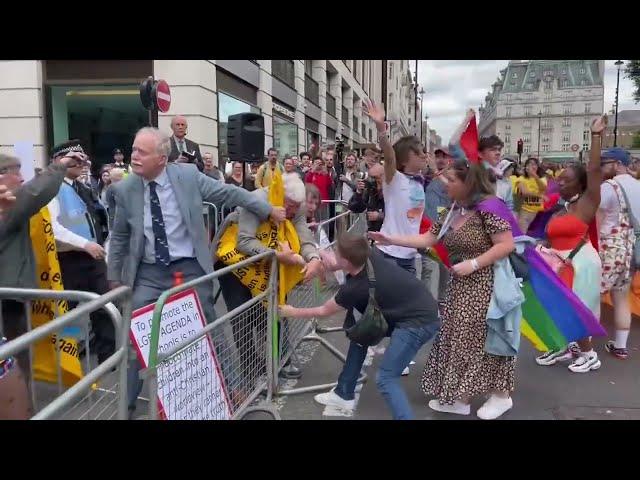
(628, 130)
(549, 104)
(401, 100)
(302, 101)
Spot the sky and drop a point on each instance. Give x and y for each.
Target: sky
(453, 86)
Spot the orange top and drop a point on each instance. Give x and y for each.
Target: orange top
(564, 232)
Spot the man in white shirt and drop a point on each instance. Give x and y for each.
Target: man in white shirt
(403, 188)
(619, 210)
(77, 239)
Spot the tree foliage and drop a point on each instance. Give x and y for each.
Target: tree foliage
(632, 71)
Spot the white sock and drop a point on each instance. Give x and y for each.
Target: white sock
(589, 353)
(621, 338)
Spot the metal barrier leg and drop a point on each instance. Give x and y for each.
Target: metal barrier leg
(314, 337)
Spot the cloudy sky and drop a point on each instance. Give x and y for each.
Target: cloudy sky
(452, 86)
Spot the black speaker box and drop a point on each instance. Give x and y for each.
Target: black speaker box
(245, 138)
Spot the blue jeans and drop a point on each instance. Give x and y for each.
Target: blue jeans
(408, 264)
(403, 347)
(351, 371)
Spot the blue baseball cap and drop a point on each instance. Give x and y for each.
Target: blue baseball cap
(618, 154)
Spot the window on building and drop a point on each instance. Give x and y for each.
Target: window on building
(527, 110)
(587, 108)
(527, 149)
(566, 122)
(587, 122)
(585, 147)
(566, 136)
(283, 70)
(585, 135)
(546, 139)
(566, 109)
(548, 85)
(565, 147)
(507, 126)
(508, 97)
(546, 123)
(390, 70)
(564, 83)
(508, 112)
(308, 67)
(514, 75)
(370, 135)
(507, 148)
(583, 71)
(548, 96)
(546, 109)
(526, 138)
(526, 124)
(545, 147)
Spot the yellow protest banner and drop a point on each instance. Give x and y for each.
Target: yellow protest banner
(256, 276)
(42, 311)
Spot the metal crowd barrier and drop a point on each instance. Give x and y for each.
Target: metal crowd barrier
(296, 331)
(101, 392)
(241, 340)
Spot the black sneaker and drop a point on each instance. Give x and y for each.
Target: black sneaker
(621, 353)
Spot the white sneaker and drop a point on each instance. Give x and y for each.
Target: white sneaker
(331, 398)
(494, 407)
(585, 363)
(405, 372)
(553, 356)
(458, 407)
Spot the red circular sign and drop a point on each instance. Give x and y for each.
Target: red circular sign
(575, 147)
(163, 96)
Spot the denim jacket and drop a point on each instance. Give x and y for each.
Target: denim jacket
(505, 312)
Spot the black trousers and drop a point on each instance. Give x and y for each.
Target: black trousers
(243, 325)
(80, 271)
(14, 324)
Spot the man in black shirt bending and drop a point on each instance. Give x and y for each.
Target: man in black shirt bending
(410, 311)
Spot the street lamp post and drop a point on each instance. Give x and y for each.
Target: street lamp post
(421, 111)
(615, 127)
(539, 129)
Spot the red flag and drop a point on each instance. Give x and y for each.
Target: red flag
(469, 141)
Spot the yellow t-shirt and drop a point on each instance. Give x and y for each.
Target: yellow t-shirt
(528, 204)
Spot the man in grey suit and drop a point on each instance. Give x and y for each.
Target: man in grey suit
(158, 229)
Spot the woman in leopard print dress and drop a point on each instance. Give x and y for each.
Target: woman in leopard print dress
(458, 368)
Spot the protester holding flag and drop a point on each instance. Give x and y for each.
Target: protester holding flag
(239, 238)
(458, 367)
(568, 236)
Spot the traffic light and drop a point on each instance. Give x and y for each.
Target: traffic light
(520, 147)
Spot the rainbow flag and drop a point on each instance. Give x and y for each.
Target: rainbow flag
(552, 315)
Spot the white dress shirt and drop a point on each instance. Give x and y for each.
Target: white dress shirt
(180, 244)
(66, 240)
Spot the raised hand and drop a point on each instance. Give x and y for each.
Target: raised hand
(599, 124)
(374, 112)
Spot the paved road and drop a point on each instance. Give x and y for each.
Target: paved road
(542, 393)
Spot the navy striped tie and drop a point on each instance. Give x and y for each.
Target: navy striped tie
(157, 223)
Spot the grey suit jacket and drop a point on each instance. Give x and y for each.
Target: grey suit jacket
(248, 224)
(191, 189)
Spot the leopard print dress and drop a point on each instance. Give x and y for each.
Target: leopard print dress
(458, 364)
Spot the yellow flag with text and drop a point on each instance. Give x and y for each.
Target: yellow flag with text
(256, 276)
(42, 311)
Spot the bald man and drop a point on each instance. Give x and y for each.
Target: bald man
(179, 143)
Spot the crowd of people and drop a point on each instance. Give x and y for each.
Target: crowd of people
(139, 222)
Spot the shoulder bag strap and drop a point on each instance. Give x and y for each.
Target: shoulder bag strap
(634, 220)
(372, 279)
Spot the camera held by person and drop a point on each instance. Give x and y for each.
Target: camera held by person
(368, 198)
